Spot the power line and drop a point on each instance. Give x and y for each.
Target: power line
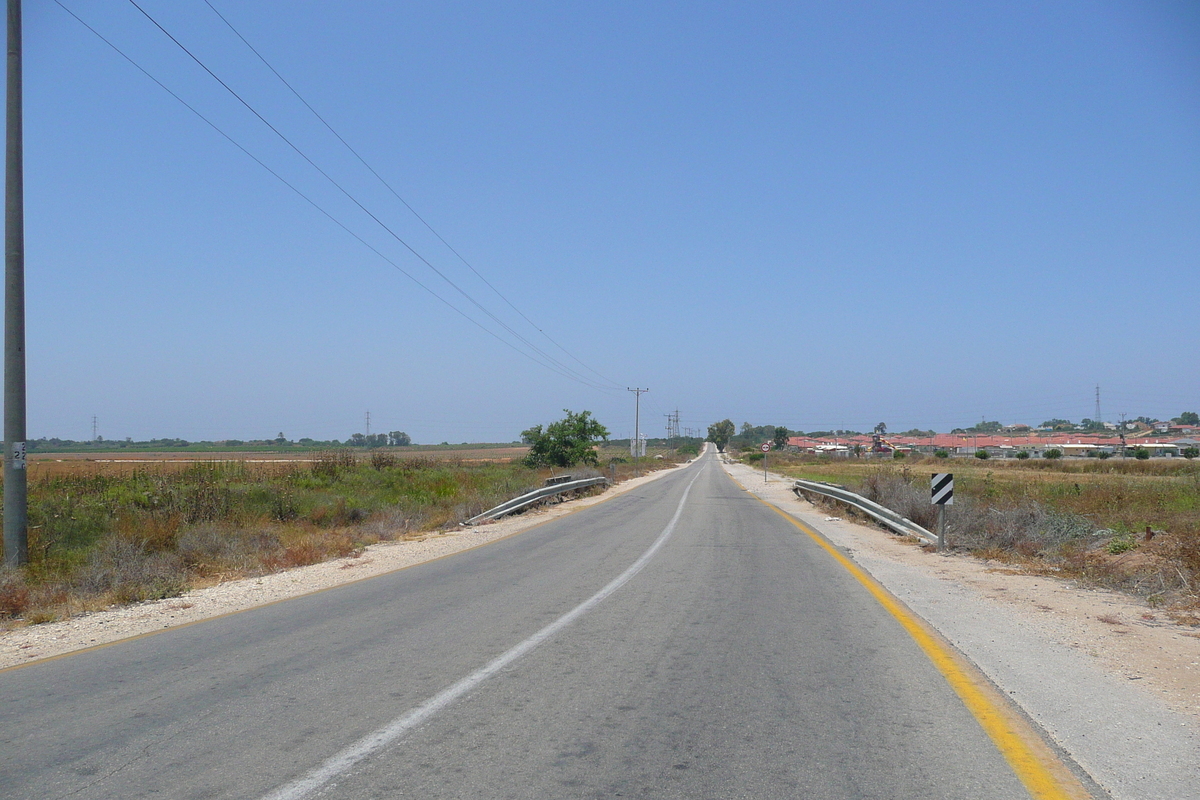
(396, 194)
(356, 201)
(315, 205)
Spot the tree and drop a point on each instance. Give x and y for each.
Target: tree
(1053, 453)
(564, 443)
(781, 437)
(719, 433)
(399, 439)
(1189, 418)
(982, 454)
(1190, 452)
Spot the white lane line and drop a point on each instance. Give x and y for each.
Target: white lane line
(374, 742)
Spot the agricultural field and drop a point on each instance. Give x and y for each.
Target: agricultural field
(1121, 523)
(106, 530)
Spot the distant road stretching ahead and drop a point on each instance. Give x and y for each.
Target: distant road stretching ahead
(682, 640)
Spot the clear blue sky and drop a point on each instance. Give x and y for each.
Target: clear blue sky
(811, 214)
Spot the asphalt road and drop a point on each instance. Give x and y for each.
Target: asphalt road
(738, 659)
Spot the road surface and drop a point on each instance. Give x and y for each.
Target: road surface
(682, 640)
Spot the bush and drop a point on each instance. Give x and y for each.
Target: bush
(128, 572)
(565, 443)
(1190, 452)
(14, 593)
(1022, 455)
(1052, 453)
(982, 455)
(382, 459)
(332, 463)
(898, 454)
(892, 491)
(1141, 454)
(941, 454)
(1103, 454)
(1121, 544)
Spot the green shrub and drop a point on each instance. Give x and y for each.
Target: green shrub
(941, 454)
(899, 454)
(982, 455)
(1190, 452)
(1022, 455)
(1052, 453)
(1141, 454)
(1121, 544)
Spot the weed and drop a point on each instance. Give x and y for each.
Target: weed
(104, 534)
(14, 593)
(1121, 544)
(382, 459)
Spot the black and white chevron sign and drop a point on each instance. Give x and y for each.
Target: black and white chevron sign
(941, 489)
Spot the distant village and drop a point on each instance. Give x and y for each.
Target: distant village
(1056, 439)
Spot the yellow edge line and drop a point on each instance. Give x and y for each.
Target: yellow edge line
(157, 631)
(1039, 778)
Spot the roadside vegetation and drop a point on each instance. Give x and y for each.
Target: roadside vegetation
(1081, 519)
(117, 533)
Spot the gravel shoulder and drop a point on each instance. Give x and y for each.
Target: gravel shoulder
(1113, 684)
(25, 645)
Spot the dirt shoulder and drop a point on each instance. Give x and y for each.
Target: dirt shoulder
(1113, 683)
(28, 644)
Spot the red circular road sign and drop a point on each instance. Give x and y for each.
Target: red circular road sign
(766, 448)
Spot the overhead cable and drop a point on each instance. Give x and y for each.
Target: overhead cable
(396, 194)
(315, 205)
(562, 367)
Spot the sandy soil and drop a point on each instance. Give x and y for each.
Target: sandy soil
(1120, 633)
(28, 644)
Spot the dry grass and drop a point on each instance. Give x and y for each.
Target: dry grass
(104, 533)
(1086, 520)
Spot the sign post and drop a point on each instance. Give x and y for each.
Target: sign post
(766, 448)
(941, 494)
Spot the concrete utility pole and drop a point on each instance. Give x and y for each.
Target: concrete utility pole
(637, 429)
(16, 522)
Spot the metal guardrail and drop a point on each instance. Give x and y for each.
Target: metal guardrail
(899, 524)
(528, 499)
